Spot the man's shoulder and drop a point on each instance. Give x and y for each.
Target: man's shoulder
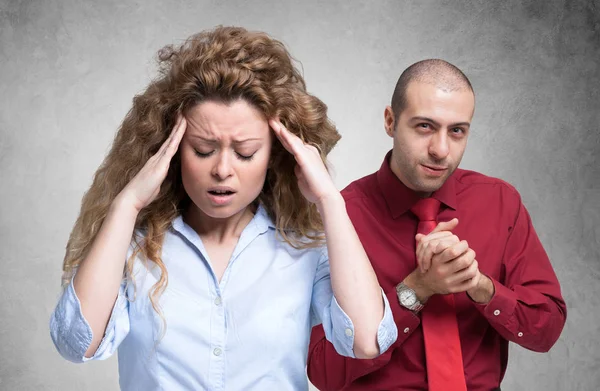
(360, 189)
(473, 180)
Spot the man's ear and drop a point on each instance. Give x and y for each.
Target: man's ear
(389, 121)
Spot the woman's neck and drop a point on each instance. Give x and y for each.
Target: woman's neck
(218, 230)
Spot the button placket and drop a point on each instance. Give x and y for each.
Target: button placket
(217, 341)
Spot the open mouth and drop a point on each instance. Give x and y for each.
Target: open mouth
(221, 196)
(221, 192)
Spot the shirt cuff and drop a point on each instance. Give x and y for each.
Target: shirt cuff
(343, 330)
(387, 332)
(406, 321)
(116, 329)
(500, 309)
(71, 332)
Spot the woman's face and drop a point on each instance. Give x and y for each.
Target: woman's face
(224, 156)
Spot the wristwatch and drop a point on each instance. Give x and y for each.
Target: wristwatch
(408, 298)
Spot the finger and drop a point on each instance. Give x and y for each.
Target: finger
(470, 282)
(424, 255)
(176, 139)
(446, 225)
(461, 281)
(281, 137)
(424, 259)
(463, 262)
(289, 135)
(429, 250)
(427, 240)
(166, 143)
(444, 243)
(419, 254)
(426, 246)
(291, 142)
(440, 241)
(453, 252)
(436, 235)
(437, 246)
(423, 265)
(427, 254)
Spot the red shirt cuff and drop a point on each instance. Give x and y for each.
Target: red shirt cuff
(406, 320)
(501, 307)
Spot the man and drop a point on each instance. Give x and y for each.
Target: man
(460, 292)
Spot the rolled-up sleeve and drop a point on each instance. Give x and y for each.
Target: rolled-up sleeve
(72, 334)
(338, 326)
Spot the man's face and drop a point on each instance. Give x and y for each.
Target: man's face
(430, 135)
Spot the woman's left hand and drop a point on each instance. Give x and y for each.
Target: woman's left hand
(314, 180)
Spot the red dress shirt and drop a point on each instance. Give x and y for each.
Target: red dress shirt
(527, 307)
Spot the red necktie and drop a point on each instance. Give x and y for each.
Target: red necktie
(445, 371)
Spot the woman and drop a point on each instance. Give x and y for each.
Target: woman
(199, 251)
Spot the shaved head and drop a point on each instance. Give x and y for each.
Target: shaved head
(439, 73)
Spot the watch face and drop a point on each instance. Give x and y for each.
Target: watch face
(407, 298)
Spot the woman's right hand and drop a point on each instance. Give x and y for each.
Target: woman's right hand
(145, 186)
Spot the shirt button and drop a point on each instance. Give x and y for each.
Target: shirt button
(497, 312)
(218, 300)
(520, 334)
(406, 330)
(348, 333)
(217, 352)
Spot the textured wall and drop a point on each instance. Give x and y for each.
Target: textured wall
(68, 71)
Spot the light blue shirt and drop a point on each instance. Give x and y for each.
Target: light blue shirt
(250, 331)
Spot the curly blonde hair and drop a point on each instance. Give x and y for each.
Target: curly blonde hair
(224, 64)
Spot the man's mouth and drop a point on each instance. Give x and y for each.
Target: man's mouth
(435, 168)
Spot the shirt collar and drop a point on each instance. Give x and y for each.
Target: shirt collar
(400, 198)
(259, 224)
(262, 220)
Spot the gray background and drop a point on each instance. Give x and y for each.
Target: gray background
(69, 69)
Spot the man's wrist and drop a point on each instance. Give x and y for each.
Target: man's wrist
(483, 292)
(412, 281)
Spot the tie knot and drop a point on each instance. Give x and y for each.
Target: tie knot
(426, 209)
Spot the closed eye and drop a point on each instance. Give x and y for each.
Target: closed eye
(201, 154)
(245, 157)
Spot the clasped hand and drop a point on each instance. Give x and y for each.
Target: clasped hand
(446, 264)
